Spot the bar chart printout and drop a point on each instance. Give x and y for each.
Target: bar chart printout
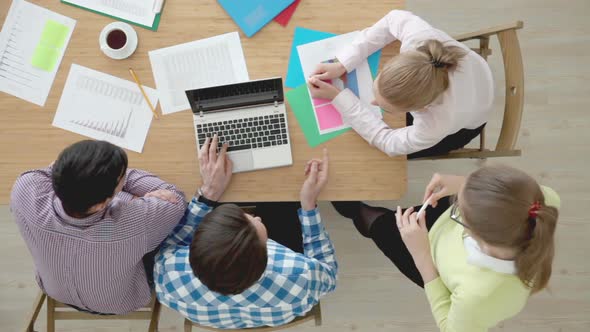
(105, 107)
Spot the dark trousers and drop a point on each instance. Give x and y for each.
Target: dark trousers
(281, 222)
(452, 142)
(387, 237)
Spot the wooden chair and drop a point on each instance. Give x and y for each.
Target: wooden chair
(59, 311)
(315, 313)
(514, 103)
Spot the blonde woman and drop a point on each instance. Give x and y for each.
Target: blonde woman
(444, 88)
(479, 251)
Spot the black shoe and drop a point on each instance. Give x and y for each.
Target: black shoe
(348, 209)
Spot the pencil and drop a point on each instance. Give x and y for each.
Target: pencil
(143, 93)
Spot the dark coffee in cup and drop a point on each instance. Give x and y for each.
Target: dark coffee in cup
(116, 39)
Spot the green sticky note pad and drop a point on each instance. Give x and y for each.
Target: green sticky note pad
(54, 34)
(45, 58)
(300, 103)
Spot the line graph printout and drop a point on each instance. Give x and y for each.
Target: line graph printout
(105, 107)
(32, 44)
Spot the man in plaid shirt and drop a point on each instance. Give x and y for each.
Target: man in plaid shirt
(218, 268)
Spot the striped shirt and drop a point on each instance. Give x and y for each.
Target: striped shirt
(94, 263)
(289, 287)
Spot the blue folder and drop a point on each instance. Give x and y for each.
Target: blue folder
(302, 36)
(252, 15)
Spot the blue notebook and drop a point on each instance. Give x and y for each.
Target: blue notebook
(252, 15)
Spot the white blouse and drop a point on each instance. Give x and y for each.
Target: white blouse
(465, 104)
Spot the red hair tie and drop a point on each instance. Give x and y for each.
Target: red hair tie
(534, 209)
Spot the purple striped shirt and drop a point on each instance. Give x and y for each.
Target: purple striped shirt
(94, 263)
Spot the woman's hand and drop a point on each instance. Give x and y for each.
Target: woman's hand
(442, 185)
(328, 71)
(414, 233)
(322, 90)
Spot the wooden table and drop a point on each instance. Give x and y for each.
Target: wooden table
(357, 170)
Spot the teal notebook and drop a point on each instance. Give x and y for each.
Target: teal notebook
(154, 26)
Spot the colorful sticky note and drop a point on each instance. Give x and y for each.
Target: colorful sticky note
(302, 36)
(54, 34)
(300, 104)
(285, 16)
(45, 58)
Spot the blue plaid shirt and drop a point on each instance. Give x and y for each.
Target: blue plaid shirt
(289, 287)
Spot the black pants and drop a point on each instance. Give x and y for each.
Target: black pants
(281, 222)
(452, 142)
(387, 237)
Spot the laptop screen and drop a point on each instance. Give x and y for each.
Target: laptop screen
(237, 95)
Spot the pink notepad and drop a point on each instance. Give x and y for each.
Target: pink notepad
(328, 117)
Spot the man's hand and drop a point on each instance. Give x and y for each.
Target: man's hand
(163, 194)
(322, 90)
(317, 177)
(216, 170)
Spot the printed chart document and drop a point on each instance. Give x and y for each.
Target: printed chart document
(203, 63)
(32, 44)
(359, 81)
(138, 11)
(105, 107)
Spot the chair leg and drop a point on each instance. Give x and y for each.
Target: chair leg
(318, 316)
(50, 314)
(35, 312)
(155, 320)
(188, 325)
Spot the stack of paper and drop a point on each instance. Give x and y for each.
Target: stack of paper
(105, 107)
(32, 45)
(138, 12)
(208, 62)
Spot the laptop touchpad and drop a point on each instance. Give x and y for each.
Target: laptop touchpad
(243, 161)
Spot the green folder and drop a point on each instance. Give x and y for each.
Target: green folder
(300, 103)
(154, 26)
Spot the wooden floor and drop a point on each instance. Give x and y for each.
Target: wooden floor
(372, 295)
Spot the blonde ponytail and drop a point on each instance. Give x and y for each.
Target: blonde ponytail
(414, 79)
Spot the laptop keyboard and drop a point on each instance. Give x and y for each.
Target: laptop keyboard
(247, 133)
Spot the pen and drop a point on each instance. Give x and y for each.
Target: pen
(423, 208)
(143, 93)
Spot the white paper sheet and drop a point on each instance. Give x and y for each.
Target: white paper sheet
(138, 11)
(105, 107)
(312, 54)
(203, 63)
(20, 36)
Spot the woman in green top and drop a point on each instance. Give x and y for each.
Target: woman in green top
(483, 246)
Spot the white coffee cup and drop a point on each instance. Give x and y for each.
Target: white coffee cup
(118, 40)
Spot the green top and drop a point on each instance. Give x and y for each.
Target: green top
(468, 298)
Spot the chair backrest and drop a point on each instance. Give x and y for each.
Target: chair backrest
(315, 313)
(514, 75)
(59, 311)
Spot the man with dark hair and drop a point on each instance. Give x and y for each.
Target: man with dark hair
(219, 268)
(92, 226)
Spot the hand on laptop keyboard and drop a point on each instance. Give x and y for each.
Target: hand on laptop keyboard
(246, 133)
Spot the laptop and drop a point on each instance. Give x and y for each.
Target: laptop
(251, 117)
